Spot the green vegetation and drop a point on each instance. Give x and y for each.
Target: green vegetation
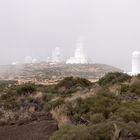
(105, 115)
(26, 89)
(86, 111)
(114, 78)
(95, 132)
(102, 131)
(134, 87)
(82, 110)
(71, 81)
(4, 85)
(53, 104)
(129, 111)
(71, 85)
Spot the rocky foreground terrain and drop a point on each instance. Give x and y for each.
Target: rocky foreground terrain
(39, 102)
(34, 130)
(72, 109)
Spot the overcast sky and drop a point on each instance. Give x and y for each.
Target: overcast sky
(110, 29)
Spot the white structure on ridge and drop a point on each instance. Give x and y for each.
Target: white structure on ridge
(30, 60)
(15, 63)
(56, 56)
(135, 63)
(79, 56)
(34, 61)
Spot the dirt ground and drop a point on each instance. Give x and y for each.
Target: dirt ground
(38, 130)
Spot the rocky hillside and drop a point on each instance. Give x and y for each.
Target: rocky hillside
(43, 71)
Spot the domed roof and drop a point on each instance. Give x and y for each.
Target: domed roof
(136, 53)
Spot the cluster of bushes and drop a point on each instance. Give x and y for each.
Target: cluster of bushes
(102, 107)
(70, 84)
(4, 85)
(114, 78)
(95, 107)
(102, 131)
(26, 89)
(129, 111)
(12, 96)
(103, 115)
(94, 132)
(19, 90)
(131, 88)
(16, 96)
(92, 117)
(50, 105)
(49, 89)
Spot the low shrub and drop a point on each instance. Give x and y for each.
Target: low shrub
(70, 84)
(135, 87)
(129, 111)
(114, 78)
(97, 118)
(26, 89)
(49, 89)
(131, 88)
(104, 104)
(95, 132)
(125, 88)
(134, 128)
(53, 104)
(47, 97)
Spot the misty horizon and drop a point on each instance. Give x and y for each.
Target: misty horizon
(109, 29)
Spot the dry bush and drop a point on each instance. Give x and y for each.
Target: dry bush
(61, 118)
(115, 89)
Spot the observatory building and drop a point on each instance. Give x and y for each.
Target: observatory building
(79, 56)
(56, 56)
(28, 60)
(136, 62)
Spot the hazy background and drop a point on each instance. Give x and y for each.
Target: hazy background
(110, 29)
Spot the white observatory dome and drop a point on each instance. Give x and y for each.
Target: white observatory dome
(136, 53)
(136, 62)
(28, 60)
(34, 61)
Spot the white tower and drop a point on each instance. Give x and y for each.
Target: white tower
(135, 62)
(56, 55)
(79, 50)
(79, 56)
